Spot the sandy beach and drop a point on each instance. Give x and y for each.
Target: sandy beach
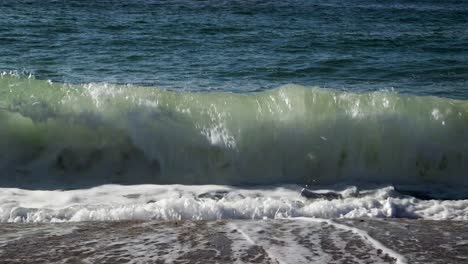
(237, 241)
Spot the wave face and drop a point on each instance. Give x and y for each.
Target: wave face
(73, 135)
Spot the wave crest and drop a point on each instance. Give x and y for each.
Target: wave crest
(67, 135)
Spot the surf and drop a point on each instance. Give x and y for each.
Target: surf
(61, 135)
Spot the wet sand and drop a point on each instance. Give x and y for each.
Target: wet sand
(237, 241)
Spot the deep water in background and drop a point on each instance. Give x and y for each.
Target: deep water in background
(417, 47)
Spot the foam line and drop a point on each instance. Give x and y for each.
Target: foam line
(365, 236)
(212, 202)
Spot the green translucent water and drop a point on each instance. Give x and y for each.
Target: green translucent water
(233, 92)
(101, 133)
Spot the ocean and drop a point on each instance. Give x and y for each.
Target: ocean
(205, 110)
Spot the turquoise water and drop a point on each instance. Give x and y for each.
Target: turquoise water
(233, 92)
(416, 47)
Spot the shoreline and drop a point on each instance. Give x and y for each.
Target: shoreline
(293, 240)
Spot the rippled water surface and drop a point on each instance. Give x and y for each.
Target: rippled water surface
(418, 47)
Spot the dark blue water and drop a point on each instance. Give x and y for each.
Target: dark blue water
(417, 47)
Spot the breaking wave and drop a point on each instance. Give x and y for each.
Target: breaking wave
(65, 135)
(211, 202)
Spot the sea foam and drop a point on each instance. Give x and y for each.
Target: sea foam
(211, 202)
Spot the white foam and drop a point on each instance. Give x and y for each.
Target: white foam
(171, 202)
